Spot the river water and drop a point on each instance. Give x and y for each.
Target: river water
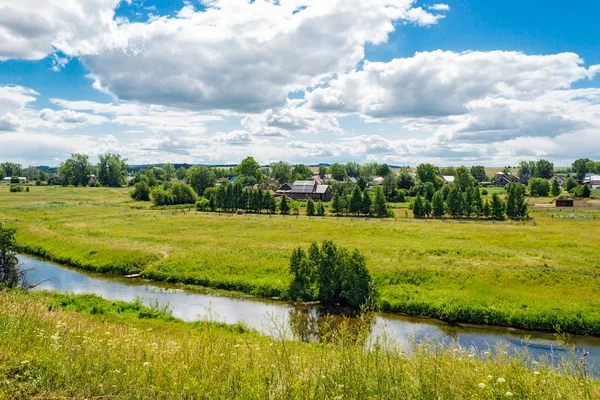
(301, 322)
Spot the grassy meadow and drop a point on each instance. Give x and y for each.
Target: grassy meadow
(544, 276)
(65, 346)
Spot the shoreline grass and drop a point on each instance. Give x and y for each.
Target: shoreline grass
(56, 345)
(540, 277)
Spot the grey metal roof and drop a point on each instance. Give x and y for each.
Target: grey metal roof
(322, 189)
(303, 187)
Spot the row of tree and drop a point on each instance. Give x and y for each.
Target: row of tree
(360, 203)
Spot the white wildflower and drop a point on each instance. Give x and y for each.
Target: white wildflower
(508, 394)
(536, 372)
(501, 380)
(482, 385)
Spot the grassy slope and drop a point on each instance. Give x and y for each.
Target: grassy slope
(83, 347)
(535, 277)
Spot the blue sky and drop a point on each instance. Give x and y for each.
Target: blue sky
(494, 82)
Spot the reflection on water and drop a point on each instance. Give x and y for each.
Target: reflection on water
(306, 323)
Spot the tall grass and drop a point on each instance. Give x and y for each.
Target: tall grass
(55, 346)
(533, 277)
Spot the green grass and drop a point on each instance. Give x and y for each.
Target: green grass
(542, 277)
(65, 346)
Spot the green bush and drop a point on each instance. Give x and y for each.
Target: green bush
(16, 188)
(141, 192)
(203, 204)
(15, 179)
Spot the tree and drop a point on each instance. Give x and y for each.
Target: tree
(162, 197)
(405, 181)
(183, 193)
(418, 207)
(65, 172)
(427, 173)
(141, 192)
(352, 169)
(526, 169)
(383, 170)
(497, 207)
(338, 172)
(10, 275)
(322, 171)
(112, 170)
(438, 205)
(570, 184)
(544, 169)
(31, 173)
(301, 172)
(539, 187)
(320, 209)
(356, 201)
(477, 201)
(455, 202)
(427, 209)
(380, 206)
(485, 209)
(478, 173)
(201, 178)
(580, 167)
(81, 169)
(463, 179)
(284, 208)
(366, 203)
(555, 190)
(281, 171)
(169, 171)
(336, 203)
(429, 190)
(11, 169)
(181, 174)
(310, 208)
(582, 191)
(516, 208)
(330, 274)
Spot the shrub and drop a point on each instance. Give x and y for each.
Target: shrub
(183, 193)
(161, 197)
(15, 179)
(570, 184)
(203, 204)
(16, 188)
(141, 192)
(582, 191)
(27, 189)
(38, 182)
(539, 187)
(484, 192)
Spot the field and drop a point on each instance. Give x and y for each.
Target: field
(544, 276)
(61, 346)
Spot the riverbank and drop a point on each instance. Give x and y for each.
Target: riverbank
(83, 346)
(543, 277)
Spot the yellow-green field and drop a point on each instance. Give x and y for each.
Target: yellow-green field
(60, 346)
(542, 276)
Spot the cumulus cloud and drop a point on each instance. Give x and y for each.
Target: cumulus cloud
(244, 56)
(33, 29)
(442, 83)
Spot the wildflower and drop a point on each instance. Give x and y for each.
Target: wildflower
(536, 372)
(55, 337)
(508, 394)
(481, 385)
(146, 364)
(489, 377)
(501, 380)
(586, 353)
(25, 362)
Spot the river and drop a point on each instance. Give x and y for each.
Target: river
(268, 316)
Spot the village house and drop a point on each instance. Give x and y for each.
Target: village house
(448, 179)
(310, 190)
(503, 179)
(22, 179)
(561, 179)
(376, 181)
(593, 181)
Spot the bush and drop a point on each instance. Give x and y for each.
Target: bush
(484, 192)
(141, 192)
(15, 179)
(161, 197)
(330, 274)
(16, 188)
(582, 191)
(539, 187)
(38, 182)
(183, 193)
(203, 204)
(27, 189)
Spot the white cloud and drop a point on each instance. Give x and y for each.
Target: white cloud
(32, 29)
(244, 56)
(438, 83)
